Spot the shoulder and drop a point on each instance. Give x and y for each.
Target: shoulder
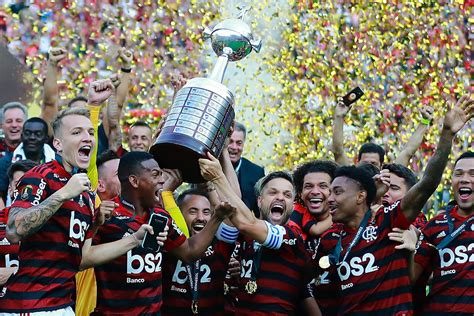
(250, 165)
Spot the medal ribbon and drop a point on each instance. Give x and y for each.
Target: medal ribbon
(335, 257)
(257, 257)
(193, 276)
(453, 234)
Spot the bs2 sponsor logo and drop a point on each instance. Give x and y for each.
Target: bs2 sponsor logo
(77, 228)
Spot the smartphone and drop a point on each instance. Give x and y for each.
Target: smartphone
(352, 96)
(158, 222)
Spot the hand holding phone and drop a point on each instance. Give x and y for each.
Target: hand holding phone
(354, 95)
(158, 222)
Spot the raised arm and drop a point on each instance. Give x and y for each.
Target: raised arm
(193, 248)
(49, 107)
(338, 133)
(417, 138)
(23, 222)
(113, 111)
(454, 120)
(243, 218)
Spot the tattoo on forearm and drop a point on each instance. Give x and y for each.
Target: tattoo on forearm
(23, 222)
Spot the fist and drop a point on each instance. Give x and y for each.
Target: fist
(99, 91)
(76, 185)
(106, 210)
(125, 57)
(224, 210)
(115, 80)
(56, 54)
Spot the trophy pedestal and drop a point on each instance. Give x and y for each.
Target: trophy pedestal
(198, 122)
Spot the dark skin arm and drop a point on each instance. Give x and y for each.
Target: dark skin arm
(194, 247)
(454, 121)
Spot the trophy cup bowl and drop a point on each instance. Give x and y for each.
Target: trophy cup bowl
(203, 110)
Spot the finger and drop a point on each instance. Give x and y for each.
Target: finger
(148, 228)
(400, 247)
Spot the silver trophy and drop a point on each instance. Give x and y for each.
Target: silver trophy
(203, 110)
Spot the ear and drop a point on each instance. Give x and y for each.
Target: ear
(361, 197)
(58, 144)
(133, 180)
(101, 186)
(259, 201)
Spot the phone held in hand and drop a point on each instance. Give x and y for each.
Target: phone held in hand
(158, 222)
(354, 95)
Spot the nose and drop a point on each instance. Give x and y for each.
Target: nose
(200, 216)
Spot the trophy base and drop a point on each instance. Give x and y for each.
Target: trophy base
(180, 152)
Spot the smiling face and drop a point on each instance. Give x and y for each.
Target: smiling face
(345, 196)
(196, 211)
(12, 125)
(236, 146)
(315, 193)
(139, 138)
(463, 184)
(276, 201)
(75, 141)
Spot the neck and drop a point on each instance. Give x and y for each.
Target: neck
(466, 213)
(35, 156)
(12, 143)
(355, 221)
(322, 216)
(131, 198)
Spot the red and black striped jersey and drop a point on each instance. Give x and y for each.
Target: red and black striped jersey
(303, 219)
(452, 290)
(374, 279)
(212, 267)
(280, 277)
(325, 287)
(50, 257)
(4, 148)
(420, 221)
(8, 251)
(132, 283)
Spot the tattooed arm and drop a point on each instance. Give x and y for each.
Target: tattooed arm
(23, 222)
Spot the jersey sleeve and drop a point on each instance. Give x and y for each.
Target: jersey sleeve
(175, 236)
(32, 189)
(425, 252)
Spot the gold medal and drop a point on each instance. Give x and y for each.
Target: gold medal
(251, 287)
(324, 262)
(194, 307)
(226, 289)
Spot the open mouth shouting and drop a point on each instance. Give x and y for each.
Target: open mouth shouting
(465, 194)
(315, 203)
(197, 226)
(84, 153)
(277, 211)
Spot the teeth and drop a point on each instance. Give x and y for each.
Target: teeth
(465, 191)
(316, 200)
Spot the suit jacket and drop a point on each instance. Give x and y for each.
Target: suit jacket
(249, 173)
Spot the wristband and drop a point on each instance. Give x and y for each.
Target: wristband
(425, 121)
(127, 70)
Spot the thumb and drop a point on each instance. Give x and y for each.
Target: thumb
(211, 157)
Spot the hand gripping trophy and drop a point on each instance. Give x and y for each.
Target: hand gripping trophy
(203, 110)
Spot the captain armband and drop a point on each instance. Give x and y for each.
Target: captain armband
(274, 237)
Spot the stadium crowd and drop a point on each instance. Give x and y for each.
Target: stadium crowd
(326, 238)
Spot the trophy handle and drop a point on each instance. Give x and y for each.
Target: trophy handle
(206, 34)
(256, 45)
